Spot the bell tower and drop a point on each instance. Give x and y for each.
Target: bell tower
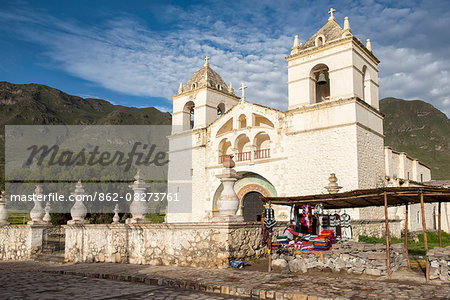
(332, 65)
(202, 100)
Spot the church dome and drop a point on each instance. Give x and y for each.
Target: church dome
(206, 77)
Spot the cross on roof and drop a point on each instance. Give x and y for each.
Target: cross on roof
(332, 10)
(206, 61)
(242, 88)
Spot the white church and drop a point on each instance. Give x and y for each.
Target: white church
(332, 125)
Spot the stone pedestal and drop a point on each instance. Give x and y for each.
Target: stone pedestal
(37, 213)
(78, 211)
(139, 206)
(228, 202)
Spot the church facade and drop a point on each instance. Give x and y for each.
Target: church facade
(332, 125)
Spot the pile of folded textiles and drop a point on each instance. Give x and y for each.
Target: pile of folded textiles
(330, 235)
(321, 243)
(302, 246)
(282, 239)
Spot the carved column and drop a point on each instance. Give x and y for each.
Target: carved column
(78, 211)
(139, 206)
(3, 211)
(228, 202)
(37, 213)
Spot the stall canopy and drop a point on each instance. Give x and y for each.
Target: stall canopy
(369, 197)
(387, 196)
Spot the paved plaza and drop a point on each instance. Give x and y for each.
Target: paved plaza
(33, 280)
(36, 285)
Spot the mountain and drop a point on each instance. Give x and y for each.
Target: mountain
(414, 127)
(36, 104)
(419, 129)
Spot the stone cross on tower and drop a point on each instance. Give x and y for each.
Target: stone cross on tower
(242, 88)
(331, 18)
(206, 61)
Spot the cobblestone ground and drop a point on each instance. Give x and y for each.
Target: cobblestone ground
(234, 282)
(34, 285)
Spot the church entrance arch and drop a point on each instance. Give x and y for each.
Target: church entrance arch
(252, 207)
(249, 190)
(250, 197)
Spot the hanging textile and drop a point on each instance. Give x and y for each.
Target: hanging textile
(307, 218)
(269, 218)
(345, 226)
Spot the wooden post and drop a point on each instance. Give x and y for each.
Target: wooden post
(388, 251)
(439, 224)
(406, 235)
(425, 237)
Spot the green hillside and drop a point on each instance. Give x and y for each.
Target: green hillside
(36, 104)
(414, 127)
(420, 130)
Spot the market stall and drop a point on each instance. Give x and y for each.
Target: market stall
(317, 230)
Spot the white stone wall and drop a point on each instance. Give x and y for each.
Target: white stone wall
(20, 242)
(400, 166)
(190, 244)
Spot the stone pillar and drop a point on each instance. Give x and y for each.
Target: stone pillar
(37, 213)
(139, 206)
(78, 211)
(3, 211)
(228, 202)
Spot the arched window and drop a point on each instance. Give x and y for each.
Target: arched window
(262, 144)
(220, 109)
(242, 121)
(194, 86)
(243, 146)
(191, 118)
(321, 83)
(188, 115)
(320, 40)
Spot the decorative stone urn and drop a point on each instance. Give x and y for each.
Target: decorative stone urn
(37, 213)
(3, 211)
(116, 217)
(139, 205)
(78, 211)
(333, 187)
(228, 202)
(47, 218)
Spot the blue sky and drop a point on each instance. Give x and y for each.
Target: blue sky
(136, 53)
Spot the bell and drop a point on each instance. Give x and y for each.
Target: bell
(321, 80)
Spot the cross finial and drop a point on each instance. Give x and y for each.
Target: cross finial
(242, 88)
(331, 18)
(206, 61)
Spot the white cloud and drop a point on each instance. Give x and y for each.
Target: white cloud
(248, 44)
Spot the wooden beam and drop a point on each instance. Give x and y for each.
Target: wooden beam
(388, 251)
(425, 238)
(406, 235)
(439, 224)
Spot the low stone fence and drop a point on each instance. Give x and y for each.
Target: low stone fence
(20, 242)
(375, 228)
(353, 257)
(209, 245)
(439, 259)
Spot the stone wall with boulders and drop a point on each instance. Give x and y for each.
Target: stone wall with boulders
(439, 259)
(352, 257)
(20, 242)
(375, 228)
(209, 245)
